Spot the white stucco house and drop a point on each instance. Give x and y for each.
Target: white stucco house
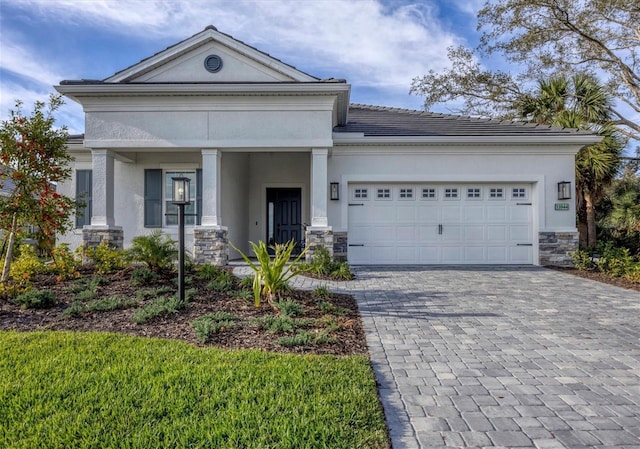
(275, 153)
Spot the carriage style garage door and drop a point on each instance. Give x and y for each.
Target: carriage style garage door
(440, 224)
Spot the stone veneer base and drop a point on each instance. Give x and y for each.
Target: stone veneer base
(340, 246)
(316, 238)
(556, 248)
(211, 245)
(92, 237)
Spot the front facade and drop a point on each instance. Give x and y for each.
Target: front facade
(275, 154)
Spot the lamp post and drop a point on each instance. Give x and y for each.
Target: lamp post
(181, 198)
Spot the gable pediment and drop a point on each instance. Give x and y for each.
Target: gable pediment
(185, 63)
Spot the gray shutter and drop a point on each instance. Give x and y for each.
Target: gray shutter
(153, 198)
(84, 183)
(199, 196)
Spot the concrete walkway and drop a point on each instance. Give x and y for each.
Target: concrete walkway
(501, 357)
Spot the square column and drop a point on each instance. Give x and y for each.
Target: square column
(103, 224)
(102, 189)
(319, 179)
(211, 163)
(211, 243)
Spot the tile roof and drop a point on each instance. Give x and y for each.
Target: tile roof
(386, 121)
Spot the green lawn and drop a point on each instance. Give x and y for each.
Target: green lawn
(97, 390)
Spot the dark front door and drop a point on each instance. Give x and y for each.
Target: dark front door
(284, 215)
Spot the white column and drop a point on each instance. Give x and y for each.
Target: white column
(102, 189)
(319, 187)
(211, 163)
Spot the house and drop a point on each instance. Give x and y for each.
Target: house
(274, 154)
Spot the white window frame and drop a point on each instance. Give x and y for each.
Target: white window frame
(524, 190)
(411, 191)
(354, 192)
(429, 198)
(474, 198)
(497, 198)
(452, 190)
(388, 190)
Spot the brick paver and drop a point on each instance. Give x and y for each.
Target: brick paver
(500, 356)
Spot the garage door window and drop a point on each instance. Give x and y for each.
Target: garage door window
(474, 193)
(496, 193)
(519, 193)
(383, 194)
(406, 194)
(361, 194)
(429, 193)
(451, 193)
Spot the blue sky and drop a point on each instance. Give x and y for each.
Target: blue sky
(378, 46)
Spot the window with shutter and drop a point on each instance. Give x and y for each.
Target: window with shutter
(83, 193)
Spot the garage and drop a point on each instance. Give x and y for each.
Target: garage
(440, 223)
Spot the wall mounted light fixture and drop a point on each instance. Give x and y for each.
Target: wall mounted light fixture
(564, 190)
(334, 190)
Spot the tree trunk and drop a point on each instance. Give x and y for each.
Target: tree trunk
(591, 220)
(9, 255)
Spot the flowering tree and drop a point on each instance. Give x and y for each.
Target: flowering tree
(33, 158)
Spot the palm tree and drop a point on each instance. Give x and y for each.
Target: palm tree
(580, 102)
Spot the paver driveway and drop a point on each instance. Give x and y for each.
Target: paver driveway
(512, 357)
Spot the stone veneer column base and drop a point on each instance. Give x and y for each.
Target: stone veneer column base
(94, 236)
(211, 245)
(340, 246)
(315, 238)
(556, 248)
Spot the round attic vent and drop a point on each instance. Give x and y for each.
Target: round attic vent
(213, 63)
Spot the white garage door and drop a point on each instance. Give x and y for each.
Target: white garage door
(440, 224)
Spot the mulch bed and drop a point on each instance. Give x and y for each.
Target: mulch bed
(348, 339)
(601, 277)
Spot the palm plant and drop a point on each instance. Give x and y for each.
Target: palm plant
(580, 102)
(271, 275)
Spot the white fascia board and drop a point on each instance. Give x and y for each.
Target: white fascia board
(282, 145)
(77, 91)
(198, 40)
(358, 139)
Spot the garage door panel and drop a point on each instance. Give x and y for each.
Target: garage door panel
(474, 233)
(451, 213)
(497, 213)
(497, 254)
(406, 233)
(496, 233)
(520, 233)
(469, 229)
(520, 214)
(474, 213)
(474, 254)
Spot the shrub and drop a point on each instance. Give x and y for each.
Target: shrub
(223, 281)
(158, 251)
(115, 302)
(65, 263)
(106, 258)
(321, 292)
(25, 266)
(36, 299)
(246, 283)
(279, 324)
(241, 294)
(289, 308)
(323, 265)
(301, 338)
(271, 274)
(154, 292)
(75, 309)
(328, 307)
(143, 276)
(614, 261)
(583, 260)
(208, 272)
(159, 306)
(206, 325)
